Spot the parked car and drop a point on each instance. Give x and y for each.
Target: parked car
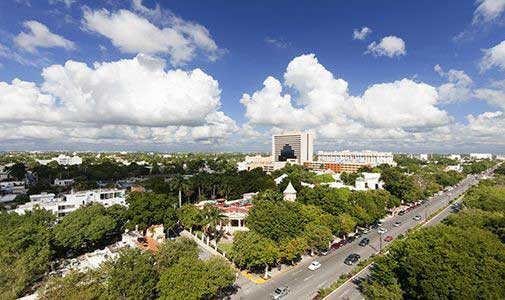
(388, 238)
(324, 252)
(314, 265)
(335, 246)
(417, 218)
(401, 213)
(364, 242)
(351, 259)
(397, 224)
(279, 292)
(382, 230)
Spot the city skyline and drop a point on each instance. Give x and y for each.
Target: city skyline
(151, 75)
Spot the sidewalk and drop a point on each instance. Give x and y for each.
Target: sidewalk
(274, 272)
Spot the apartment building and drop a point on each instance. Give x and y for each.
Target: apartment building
(371, 158)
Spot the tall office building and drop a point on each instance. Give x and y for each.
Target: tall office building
(294, 147)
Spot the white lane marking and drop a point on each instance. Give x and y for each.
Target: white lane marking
(322, 284)
(296, 272)
(309, 277)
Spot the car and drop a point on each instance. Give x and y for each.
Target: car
(324, 252)
(335, 246)
(351, 259)
(401, 213)
(397, 224)
(382, 230)
(314, 265)
(417, 218)
(364, 242)
(280, 292)
(380, 223)
(388, 238)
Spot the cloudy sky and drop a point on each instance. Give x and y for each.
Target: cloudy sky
(224, 75)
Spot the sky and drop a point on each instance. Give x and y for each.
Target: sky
(402, 76)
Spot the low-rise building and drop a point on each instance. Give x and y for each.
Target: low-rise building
(456, 157)
(235, 211)
(479, 156)
(63, 182)
(62, 160)
(13, 187)
(368, 181)
(257, 161)
(67, 204)
(423, 156)
(372, 158)
(289, 193)
(457, 168)
(336, 167)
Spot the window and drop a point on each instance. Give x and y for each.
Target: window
(287, 152)
(234, 223)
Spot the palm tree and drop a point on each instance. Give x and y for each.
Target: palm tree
(212, 217)
(179, 183)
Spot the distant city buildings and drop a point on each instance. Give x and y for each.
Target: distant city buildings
(67, 204)
(367, 157)
(479, 156)
(62, 160)
(423, 156)
(456, 157)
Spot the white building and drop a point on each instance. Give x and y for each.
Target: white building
(500, 157)
(423, 156)
(457, 168)
(13, 187)
(4, 173)
(63, 182)
(62, 160)
(368, 181)
(63, 206)
(296, 147)
(373, 158)
(481, 155)
(257, 161)
(290, 193)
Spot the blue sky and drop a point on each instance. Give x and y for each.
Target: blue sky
(378, 92)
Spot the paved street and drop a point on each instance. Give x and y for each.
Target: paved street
(304, 284)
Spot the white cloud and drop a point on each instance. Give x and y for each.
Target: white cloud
(389, 46)
(130, 99)
(39, 36)
(68, 3)
(492, 96)
(361, 34)
(276, 42)
(323, 103)
(488, 11)
(493, 57)
(458, 87)
(132, 33)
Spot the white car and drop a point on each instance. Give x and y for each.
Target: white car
(314, 265)
(417, 218)
(381, 230)
(397, 224)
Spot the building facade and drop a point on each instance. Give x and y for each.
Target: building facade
(257, 161)
(296, 147)
(347, 167)
(67, 204)
(372, 158)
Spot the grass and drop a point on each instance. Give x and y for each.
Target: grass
(225, 247)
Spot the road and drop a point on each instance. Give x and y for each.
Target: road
(304, 284)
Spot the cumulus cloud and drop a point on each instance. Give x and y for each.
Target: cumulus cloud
(458, 87)
(389, 46)
(361, 34)
(135, 33)
(130, 99)
(493, 57)
(68, 3)
(492, 96)
(39, 36)
(488, 11)
(324, 104)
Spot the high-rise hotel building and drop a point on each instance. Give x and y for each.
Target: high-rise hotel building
(296, 147)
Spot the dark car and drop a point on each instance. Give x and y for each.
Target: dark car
(401, 213)
(364, 242)
(324, 252)
(351, 259)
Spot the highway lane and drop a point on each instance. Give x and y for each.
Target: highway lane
(304, 284)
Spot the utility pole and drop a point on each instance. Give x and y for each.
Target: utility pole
(380, 242)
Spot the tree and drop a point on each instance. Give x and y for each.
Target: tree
(146, 209)
(347, 223)
(292, 249)
(275, 220)
(171, 252)
(251, 250)
(17, 171)
(190, 216)
(180, 184)
(25, 250)
(75, 285)
(317, 236)
(84, 229)
(194, 279)
(130, 276)
(211, 218)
